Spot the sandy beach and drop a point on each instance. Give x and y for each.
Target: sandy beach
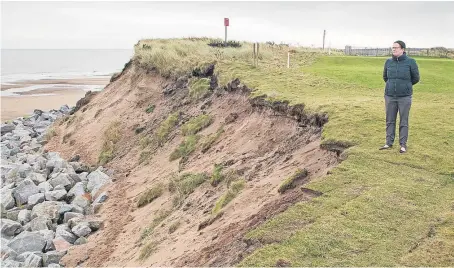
(44, 98)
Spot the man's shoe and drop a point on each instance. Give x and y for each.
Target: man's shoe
(403, 149)
(386, 147)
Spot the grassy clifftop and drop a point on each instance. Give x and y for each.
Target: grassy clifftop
(378, 208)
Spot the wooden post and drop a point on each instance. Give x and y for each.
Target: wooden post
(253, 53)
(324, 33)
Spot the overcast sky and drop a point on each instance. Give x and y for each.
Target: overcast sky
(122, 24)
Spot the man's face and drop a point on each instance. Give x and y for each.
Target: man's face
(397, 50)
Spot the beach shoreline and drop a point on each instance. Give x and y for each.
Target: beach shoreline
(44, 98)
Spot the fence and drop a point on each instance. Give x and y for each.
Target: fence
(439, 52)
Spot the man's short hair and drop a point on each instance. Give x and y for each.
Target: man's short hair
(401, 43)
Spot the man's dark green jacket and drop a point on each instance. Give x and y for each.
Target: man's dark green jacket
(400, 74)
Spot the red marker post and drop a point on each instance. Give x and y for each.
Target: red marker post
(226, 23)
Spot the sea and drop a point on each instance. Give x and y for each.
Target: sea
(36, 64)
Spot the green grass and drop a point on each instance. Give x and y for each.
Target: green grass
(377, 207)
(289, 183)
(185, 184)
(196, 124)
(211, 139)
(150, 195)
(160, 217)
(111, 137)
(186, 147)
(198, 87)
(233, 190)
(166, 127)
(150, 109)
(50, 133)
(147, 250)
(174, 227)
(217, 175)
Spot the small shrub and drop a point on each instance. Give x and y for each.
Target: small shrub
(147, 250)
(184, 185)
(174, 227)
(111, 137)
(198, 87)
(217, 176)
(150, 109)
(220, 43)
(289, 183)
(234, 189)
(162, 215)
(211, 139)
(166, 127)
(50, 133)
(150, 195)
(185, 148)
(196, 124)
(144, 142)
(144, 155)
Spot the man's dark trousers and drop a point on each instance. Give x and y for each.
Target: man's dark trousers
(394, 105)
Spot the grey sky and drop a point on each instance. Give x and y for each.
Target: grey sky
(122, 24)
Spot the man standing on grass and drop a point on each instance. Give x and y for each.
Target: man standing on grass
(400, 74)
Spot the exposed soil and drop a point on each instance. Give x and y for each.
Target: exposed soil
(262, 142)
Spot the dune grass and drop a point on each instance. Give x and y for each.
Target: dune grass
(378, 208)
(111, 137)
(233, 190)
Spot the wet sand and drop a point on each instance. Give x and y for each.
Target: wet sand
(25, 102)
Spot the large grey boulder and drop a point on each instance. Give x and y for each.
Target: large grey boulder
(81, 229)
(25, 140)
(49, 235)
(78, 189)
(83, 176)
(81, 201)
(6, 152)
(37, 178)
(24, 190)
(55, 195)
(48, 209)
(12, 263)
(27, 241)
(12, 214)
(96, 180)
(33, 260)
(35, 199)
(102, 197)
(62, 179)
(52, 257)
(70, 215)
(64, 232)
(7, 199)
(45, 187)
(61, 245)
(65, 208)
(40, 223)
(12, 175)
(78, 209)
(10, 228)
(7, 253)
(56, 164)
(25, 170)
(7, 128)
(79, 167)
(24, 216)
(22, 257)
(21, 132)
